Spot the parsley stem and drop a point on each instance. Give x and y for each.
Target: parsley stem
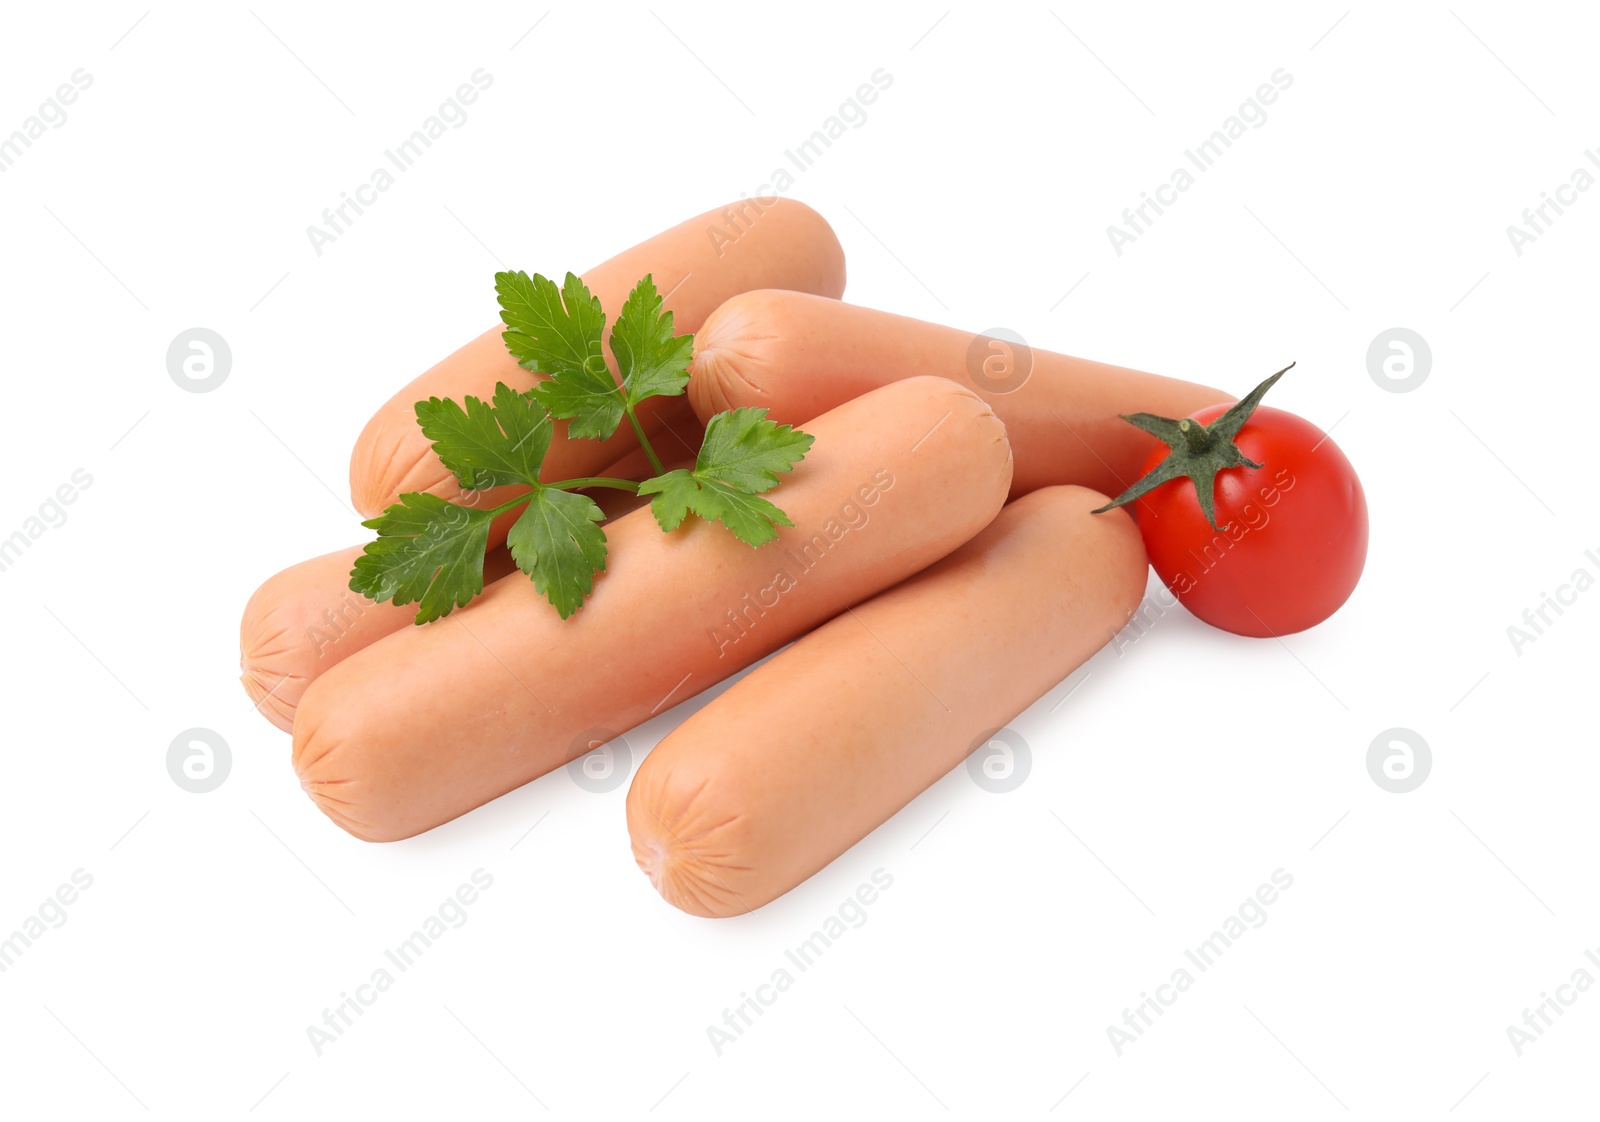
(509, 504)
(644, 442)
(596, 481)
(567, 485)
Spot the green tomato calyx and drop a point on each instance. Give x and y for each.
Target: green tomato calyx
(1197, 452)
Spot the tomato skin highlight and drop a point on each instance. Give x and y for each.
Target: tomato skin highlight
(1293, 541)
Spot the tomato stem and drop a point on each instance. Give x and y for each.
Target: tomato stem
(1197, 438)
(1198, 452)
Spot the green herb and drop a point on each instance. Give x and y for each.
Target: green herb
(738, 460)
(430, 551)
(1196, 452)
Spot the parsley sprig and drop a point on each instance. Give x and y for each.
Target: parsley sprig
(430, 551)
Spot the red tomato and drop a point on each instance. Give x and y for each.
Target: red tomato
(1294, 531)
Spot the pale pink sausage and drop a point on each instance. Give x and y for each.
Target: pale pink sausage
(433, 721)
(800, 355)
(696, 266)
(305, 620)
(821, 745)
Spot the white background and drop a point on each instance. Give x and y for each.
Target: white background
(1179, 776)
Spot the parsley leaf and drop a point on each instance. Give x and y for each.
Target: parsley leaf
(752, 518)
(549, 330)
(744, 449)
(559, 332)
(585, 396)
(559, 545)
(488, 446)
(653, 362)
(740, 458)
(428, 551)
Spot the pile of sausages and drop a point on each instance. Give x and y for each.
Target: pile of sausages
(943, 572)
